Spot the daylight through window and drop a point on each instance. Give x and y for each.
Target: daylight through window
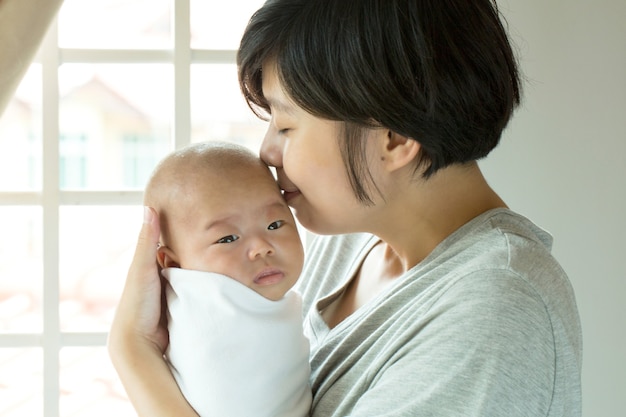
(115, 86)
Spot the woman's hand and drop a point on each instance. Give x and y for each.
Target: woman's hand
(138, 336)
(140, 316)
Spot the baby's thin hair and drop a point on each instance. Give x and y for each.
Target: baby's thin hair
(211, 155)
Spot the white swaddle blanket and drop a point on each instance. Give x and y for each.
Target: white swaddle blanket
(233, 352)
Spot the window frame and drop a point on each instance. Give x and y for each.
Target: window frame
(51, 196)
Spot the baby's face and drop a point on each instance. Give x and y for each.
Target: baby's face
(241, 227)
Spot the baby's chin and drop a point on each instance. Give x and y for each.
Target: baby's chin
(274, 295)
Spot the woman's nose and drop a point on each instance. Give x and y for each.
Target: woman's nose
(272, 148)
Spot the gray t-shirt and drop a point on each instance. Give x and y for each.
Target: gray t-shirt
(486, 325)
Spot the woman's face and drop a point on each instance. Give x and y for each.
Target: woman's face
(305, 151)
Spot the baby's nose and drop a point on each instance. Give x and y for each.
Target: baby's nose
(260, 248)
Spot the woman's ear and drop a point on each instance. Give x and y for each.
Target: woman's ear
(399, 151)
(167, 258)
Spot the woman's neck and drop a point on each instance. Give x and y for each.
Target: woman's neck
(421, 214)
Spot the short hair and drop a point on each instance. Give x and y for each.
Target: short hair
(441, 72)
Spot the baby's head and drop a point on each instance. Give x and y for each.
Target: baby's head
(221, 211)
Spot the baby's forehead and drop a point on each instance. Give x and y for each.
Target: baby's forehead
(226, 176)
(229, 196)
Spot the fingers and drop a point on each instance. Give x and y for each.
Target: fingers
(139, 310)
(147, 242)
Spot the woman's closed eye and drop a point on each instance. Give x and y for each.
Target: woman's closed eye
(227, 239)
(276, 225)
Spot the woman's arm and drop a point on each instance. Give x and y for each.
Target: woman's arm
(138, 336)
(23, 24)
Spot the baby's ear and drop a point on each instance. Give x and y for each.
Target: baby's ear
(167, 258)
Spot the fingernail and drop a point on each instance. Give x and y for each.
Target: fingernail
(147, 215)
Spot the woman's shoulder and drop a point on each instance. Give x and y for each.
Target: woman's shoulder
(499, 223)
(497, 239)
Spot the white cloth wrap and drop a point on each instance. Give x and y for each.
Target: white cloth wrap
(233, 352)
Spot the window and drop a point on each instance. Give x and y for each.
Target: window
(140, 154)
(116, 85)
(72, 161)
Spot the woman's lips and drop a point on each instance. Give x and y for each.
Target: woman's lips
(289, 195)
(269, 276)
(289, 190)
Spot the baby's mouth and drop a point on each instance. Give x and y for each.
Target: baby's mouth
(269, 276)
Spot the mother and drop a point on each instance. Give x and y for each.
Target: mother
(428, 296)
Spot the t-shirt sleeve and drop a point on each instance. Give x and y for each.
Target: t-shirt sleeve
(485, 348)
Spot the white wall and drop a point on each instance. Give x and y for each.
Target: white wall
(562, 163)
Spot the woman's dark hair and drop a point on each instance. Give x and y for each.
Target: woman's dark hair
(441, 72)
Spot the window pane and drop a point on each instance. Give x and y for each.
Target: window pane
(218, 110)
(89, 385)
(21, 382)
(20, 136)
(21, 269)
(219, 24)
(93, 264)
(115, 124)
(115, 24)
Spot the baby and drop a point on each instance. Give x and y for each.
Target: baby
(231, 253)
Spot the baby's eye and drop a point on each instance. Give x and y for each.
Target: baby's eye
(227, 239)
(275, 225)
